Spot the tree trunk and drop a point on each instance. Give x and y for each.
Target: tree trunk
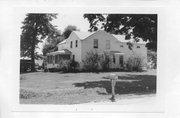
(33, 57)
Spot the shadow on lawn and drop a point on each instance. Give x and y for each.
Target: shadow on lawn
(134, 84)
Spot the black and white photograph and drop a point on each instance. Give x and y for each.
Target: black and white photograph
(76, 59)
(88, 58)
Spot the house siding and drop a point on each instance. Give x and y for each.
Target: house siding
(75, 50)
(87, 45)
(102, 36)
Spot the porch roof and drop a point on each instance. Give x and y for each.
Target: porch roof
(116, 52)
(64, 51)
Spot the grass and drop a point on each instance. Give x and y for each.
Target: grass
(76, 88)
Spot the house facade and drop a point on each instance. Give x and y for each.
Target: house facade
(79, 43)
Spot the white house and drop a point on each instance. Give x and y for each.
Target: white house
(79, 43)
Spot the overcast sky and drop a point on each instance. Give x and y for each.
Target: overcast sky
(63, 20)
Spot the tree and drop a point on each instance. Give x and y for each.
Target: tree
(132, 25)
(36, 27)
(68, 30)
(51, 42)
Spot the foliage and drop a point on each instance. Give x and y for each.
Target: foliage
(51, 43)
(64, 65)
(134, 64)
(152, 59)
(68, 30)
(73, 65)
(56, 37)
(105, 61)
(91, 61)
(68, 65)
(132, 25)
(36, 27)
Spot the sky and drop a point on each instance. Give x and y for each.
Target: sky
(63, 20)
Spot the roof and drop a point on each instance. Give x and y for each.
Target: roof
(121, 38)
(83, 35)
(62, 42)
(116, 52)
(64, 51)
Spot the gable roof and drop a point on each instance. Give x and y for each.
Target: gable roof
(84, 35)
(62, 42)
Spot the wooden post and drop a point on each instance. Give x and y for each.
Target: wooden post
(113, 91)
(113, 78)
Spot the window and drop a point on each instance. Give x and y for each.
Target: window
(95, 43)
(121, 60)
(76, 43)
(138, 46)
(53, 60)
(56, 59)
(71, 44)
(121, 46)
(107, 44)
(114, 59)
(48, 59)
(73, 57)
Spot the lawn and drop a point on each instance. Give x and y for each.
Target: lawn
(77, 88)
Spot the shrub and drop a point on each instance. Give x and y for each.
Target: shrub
(91, 61)
(105, 61)
(134, 64)
(73, 65)
(68, 65)
(64, 65)
(152, 59)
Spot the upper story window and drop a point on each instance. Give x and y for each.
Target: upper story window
(76, 43)
(71, 44)
(95, 43)
(138, 46)
(107, 44)
(121, 46)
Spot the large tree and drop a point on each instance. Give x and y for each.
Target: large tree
(132, 25)
(36, 27)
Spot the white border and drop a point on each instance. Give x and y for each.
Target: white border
(156, 107)
(168, 64)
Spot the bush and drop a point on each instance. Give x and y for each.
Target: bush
(134, 64)
(73, 65)
(152, 59)
(64, 65)
(91, 61)
(105, 61)
(68, 65)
